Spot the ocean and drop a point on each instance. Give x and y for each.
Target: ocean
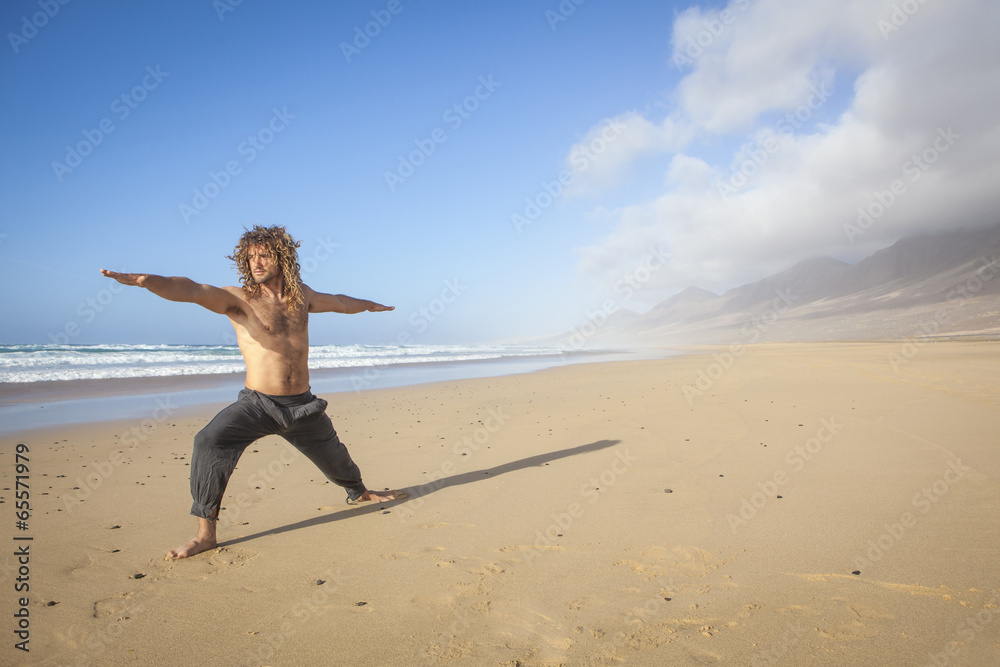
(46, 363)
(336, 368)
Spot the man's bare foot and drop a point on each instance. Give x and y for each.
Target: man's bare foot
(203, 542)
(378, 496)
(195, 546)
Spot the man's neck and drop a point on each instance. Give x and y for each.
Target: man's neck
(273, 289)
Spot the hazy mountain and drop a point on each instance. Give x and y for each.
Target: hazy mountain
(930, 284)
(689, 303)
(912, 259)
(808, 280)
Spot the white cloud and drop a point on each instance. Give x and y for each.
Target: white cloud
(931, 80)
(688, 173)
(603, 157)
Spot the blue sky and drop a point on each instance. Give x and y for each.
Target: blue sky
(122, 119)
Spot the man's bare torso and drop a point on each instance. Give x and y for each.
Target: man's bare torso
(274, 342)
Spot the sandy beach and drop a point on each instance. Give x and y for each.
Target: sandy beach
(788, 504)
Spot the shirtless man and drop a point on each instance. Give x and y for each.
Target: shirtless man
(270, 314)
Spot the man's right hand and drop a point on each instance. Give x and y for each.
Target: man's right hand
(175, 288)
(135, 279)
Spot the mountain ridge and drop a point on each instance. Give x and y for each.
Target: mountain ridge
(946, 282)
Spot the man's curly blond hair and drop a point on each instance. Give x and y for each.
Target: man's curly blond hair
(282, 249)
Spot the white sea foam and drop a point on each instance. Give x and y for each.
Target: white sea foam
(38, 363)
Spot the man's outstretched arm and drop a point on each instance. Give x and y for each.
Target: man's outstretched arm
(320, 302)
(186, 290)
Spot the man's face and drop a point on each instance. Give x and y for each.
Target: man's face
(262, 267)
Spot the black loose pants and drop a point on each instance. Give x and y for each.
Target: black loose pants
(301, 420)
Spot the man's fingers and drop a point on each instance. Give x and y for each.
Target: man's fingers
(125, 278)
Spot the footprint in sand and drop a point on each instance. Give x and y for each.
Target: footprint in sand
(532, 547)
(427, 526)
(705, 657)
(116, 605)
(226, 557)
(682, 561)
(587, 602)
(79, 564)
(401, 555)
(846, 631)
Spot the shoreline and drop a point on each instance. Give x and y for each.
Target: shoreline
(68, 402)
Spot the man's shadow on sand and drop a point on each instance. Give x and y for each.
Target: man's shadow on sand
(425, 490)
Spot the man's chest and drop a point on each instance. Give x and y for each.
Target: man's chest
(277, 320)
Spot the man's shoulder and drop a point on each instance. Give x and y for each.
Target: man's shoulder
(307, 294)
(242, 303)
